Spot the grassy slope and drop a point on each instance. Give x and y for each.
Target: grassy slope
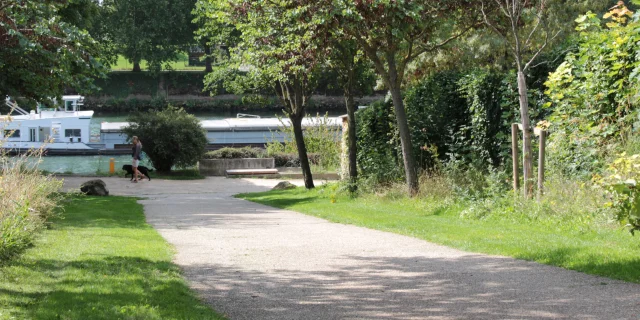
(606, 252)
(182, 64)
(101, 261)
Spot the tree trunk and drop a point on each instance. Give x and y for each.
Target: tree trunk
(527, 158)
(136, 66)
(352, 143)
(405, 138)
(207, 59)
(296, 122)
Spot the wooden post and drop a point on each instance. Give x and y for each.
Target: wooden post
(514, 154)
(543, 141)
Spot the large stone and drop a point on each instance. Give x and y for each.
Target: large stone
(95, 188)
(284, 185)
(218, 167)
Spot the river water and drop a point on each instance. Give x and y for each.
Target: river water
(100, 164)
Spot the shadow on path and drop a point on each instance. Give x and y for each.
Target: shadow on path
(469, 287)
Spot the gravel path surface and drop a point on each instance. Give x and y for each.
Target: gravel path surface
(249, 261)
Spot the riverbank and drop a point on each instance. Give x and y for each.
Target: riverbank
(226, 104)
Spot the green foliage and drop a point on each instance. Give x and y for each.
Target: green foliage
(235, 153)
(436, 112)
(171, 137)
(150, 30)
(321, 137)
(379, 156)
(40, 53)
(457, 117)
(122, 84)
(621, 183)
(594, 93)
(491, 99)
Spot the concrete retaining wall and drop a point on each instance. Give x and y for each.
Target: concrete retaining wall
(217, 167)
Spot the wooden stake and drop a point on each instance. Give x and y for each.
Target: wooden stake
(543, 141)
(514, 154)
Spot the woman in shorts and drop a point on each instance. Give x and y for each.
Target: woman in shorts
(136, 150)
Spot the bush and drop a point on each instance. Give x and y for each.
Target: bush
(436, 112)
(379, 155)
(235, 153)
(292, 159)
(594, 95)
(171, 137)
(621, 184)
(452, 116)
(27, 200)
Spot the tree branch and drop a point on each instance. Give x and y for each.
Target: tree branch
(546, 42)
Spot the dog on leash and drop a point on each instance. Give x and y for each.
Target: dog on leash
(142, 169)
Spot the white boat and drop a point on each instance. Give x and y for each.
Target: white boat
(239, 131)
(62, 128)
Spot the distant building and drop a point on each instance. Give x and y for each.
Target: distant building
(196, 56)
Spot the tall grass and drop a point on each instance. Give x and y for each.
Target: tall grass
(27, 200)
(568, 203)
(321, 138)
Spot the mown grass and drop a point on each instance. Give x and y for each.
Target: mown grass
(100, 260)
(182, 64)
(604, 250)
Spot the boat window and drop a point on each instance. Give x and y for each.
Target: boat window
(68, 133)
(68, 105)
(12, 133)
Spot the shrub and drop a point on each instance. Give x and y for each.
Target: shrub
(379, 155)
(171, 137)
(27, 200)
(292, 159)
(235, 153)
(436, 112)
(594, 94)
(621, 183)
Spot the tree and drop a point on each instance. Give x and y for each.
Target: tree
(528, 27)
(40, 54)
(214, 31)
(356, 77)
(171, 137)
(279, 50)
(393, 34)
(150, 30)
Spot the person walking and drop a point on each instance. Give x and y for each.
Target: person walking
(136, 151)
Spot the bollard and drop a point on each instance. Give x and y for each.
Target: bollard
(112, 166)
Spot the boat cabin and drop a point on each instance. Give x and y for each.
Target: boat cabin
(52, 127)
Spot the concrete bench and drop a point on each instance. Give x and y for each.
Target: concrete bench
(250, 172)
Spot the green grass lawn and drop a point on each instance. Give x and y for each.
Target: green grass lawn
(182, 64)
(602, 251)
(99, 260)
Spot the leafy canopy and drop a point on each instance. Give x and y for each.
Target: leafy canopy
(41, 54)
(150, 30)
(595, 93)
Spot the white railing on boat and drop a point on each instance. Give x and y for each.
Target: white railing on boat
(14, 106)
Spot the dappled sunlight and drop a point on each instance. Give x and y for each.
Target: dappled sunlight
(251, 261)
(407, 288)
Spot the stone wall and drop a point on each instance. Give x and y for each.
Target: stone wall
(218, 167)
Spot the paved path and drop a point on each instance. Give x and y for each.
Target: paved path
(254, 262)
